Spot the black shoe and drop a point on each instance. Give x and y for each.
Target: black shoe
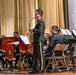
(48, 70)
(33, 72)
(10, 69)
(42, 71)
(16, 67)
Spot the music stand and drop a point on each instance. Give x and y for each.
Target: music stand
(74, 33)
(23, 47)
(67, 33)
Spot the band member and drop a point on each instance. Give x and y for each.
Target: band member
(2, 55)
(46, 43)
(38, 41)
(17, 52)
(47, 39)
(55, 39)
(60, 32)
(2, 61)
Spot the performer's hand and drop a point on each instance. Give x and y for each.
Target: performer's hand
(45, 48)
(30, 29)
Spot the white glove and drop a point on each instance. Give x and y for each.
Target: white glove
(45, 47)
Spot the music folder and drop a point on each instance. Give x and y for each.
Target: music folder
(67, 33)
(70, 34)
(23, 43)
(15, 43)
(63, 31)
(25, 39)
(74, 33)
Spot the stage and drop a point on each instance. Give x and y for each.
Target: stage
(15, 72)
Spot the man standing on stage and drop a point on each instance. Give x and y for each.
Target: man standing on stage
(38, 41)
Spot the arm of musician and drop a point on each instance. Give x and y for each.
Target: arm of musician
(41, 28)
(31, 30)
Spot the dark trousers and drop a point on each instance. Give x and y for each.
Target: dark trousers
(17, 58)
(3, 62)
(10, 63)
(38, 56)
(29, 58)
(17, 55)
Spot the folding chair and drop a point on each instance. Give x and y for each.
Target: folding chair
(66, 57)
(53, 58)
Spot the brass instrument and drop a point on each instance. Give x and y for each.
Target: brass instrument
(21, 64)
(30, 29)
(30, 24)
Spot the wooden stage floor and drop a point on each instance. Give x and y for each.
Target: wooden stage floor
(26, 73)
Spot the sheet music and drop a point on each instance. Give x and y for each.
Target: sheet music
(69, 33)
(24, 39)
(63, 31)
(15, 43)
(74, 32)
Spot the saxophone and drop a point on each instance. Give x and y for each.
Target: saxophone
(31, 33)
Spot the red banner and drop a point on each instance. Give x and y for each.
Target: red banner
(7, 47)
(10, 52)
(30, 48)
(22, 46)
(6, 41)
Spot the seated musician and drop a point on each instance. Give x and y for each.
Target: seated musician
(2, 55)
(66, 42)
(29, 53)
(55, 39)
(47, 39)
(46, 42)
(17, 52)
(2, 60)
